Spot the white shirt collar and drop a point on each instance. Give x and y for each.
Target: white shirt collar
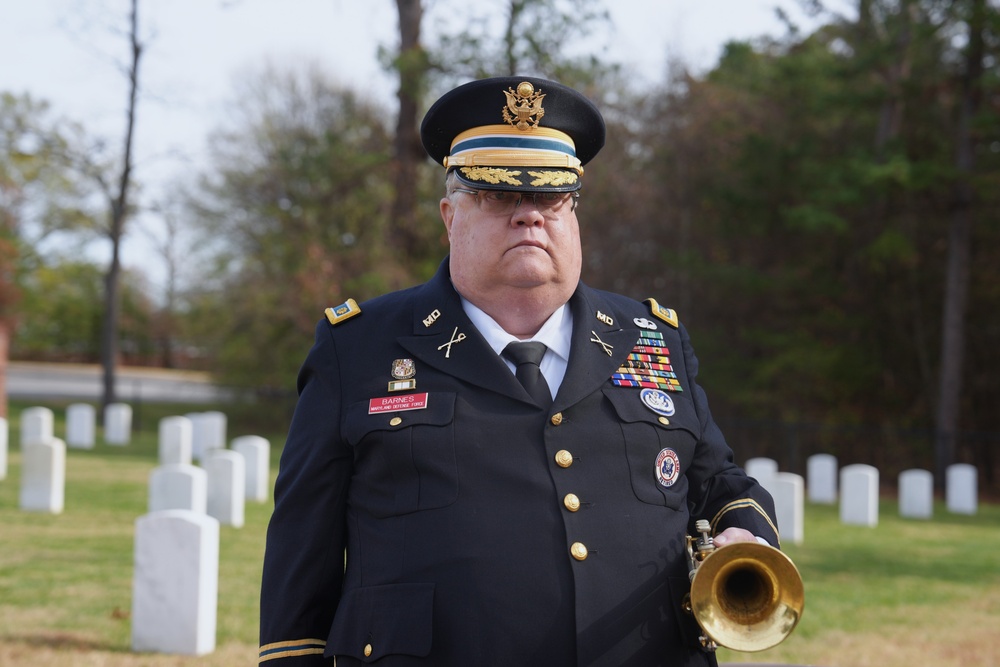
(556, 332)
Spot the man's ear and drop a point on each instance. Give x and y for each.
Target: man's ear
(447, 207)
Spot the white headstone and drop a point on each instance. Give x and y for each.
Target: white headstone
(916, 494)
(961, 493)
(178, 486)
(197, 435)
(43, 476)
(36, 425)
(174, 440)
(256, 452)
(175, 585)
(788, 490)
(821, 479)
(763, 470)
(4, 437)
(227, 476)
(859, 495)
(80, 425)
(118, 423)
(208, 431)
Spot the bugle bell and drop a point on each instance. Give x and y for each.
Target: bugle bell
(745, 596)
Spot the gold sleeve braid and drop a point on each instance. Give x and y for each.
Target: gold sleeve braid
(288, 649)
(743, 503)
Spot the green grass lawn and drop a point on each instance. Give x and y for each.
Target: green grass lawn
(66, 579)
(905, 593)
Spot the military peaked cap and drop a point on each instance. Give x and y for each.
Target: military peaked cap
(514, 133)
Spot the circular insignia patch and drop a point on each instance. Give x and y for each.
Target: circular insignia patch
(658, 401)
(668, 467)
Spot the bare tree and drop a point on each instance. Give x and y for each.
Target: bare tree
(119, 214)
(168, 247)
(411, 64)
(959, 246)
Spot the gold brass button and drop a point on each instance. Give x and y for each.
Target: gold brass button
(557, 419)
(664, 421)
(571, 502)
(368, 650)
(579, 551)
(395, 421)
(564, 459)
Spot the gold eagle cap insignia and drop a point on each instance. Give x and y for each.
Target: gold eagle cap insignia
(524, 106)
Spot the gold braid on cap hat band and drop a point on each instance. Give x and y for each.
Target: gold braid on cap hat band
(506, 158)
(506, 146)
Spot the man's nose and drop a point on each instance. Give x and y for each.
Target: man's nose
(528, 214)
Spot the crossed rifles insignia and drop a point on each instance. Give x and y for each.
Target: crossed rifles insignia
(455, 338)
(605, 346)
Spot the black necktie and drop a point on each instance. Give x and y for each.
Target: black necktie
(527, 356)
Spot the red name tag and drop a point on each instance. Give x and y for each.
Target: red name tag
(397, 403)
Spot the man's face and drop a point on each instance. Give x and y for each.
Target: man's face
(535, 246)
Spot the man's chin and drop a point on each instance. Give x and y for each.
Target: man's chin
(526, 276)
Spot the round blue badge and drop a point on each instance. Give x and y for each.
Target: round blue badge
(658, 401)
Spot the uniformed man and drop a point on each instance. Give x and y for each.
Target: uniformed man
(448, 497)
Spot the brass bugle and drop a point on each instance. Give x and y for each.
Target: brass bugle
(745, 596)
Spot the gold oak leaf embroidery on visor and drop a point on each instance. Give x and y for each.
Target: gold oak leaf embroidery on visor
(492, 175)
(556, 178)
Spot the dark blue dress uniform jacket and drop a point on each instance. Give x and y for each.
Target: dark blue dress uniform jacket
(463, 543)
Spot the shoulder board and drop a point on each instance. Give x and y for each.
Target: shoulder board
(344, 311)
(668, 315)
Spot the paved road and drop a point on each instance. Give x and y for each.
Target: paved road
(84, 382)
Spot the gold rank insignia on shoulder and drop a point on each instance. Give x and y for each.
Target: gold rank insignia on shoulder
(668, 315)
(344, 311)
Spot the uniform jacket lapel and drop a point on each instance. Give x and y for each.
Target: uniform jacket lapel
(600, 345)
(444, 338)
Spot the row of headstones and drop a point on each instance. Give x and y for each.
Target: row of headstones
(226, 479)
(208, 428)
(220, 488)
(37, 427)
(858, 491)
(176, 578)
(175, 581)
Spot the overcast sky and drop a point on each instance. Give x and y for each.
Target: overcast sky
(65, 52)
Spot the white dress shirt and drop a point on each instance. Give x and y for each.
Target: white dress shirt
(556, 334)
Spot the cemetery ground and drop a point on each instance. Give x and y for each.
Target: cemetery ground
(905, 593)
